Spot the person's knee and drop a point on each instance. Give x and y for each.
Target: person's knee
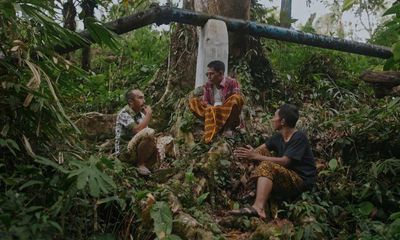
(269, 166)
(147, 143)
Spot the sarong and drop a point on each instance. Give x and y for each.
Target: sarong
(215, 117)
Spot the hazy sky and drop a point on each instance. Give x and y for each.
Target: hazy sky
(302, 12)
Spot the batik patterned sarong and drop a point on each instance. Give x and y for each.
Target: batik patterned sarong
(215, 117)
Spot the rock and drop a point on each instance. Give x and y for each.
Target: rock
(188, 227)
(276, 229)
(174, 203)
(96, 125)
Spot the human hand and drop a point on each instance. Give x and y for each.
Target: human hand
(147, 110)
(246, 152)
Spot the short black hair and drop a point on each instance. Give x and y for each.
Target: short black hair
(217, 66)
(290, 113)
(130, 94)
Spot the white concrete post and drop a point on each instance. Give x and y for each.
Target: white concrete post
(213, 45)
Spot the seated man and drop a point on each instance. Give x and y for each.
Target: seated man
(288, 174)
(221, 103)
(131, 125)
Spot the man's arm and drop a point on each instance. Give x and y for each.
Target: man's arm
(250, 154)
(146, 120)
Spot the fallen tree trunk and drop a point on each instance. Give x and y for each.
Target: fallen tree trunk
(389, 78)
(384, 83)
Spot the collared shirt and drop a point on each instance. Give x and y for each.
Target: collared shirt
(127, 119)
(227, 87)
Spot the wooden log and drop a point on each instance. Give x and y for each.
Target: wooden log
(387, 78)
(385, 83)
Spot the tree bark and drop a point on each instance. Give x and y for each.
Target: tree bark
(182, 60)
(388, 78)
(179, 72)
(286, 13)
(69, 14)
(88, 7)
(240, 9)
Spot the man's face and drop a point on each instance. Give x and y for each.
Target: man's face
(277, 121)
(215, 77)
(137, 102)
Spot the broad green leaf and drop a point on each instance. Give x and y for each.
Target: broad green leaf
(162, 216)
(366, 208)
(202, 197)
(107, 199)
(102, 185)
(333, 164)
(393, 10)
(172, 237)
(395, 216)
(107, 179)
(30, 183)
(33, 209)
(348, 4)
(13, 144)
(51, 163)
(82, 179)
(89, 174)
(56, 225)
(101, 34)
(94, 188)
(393, 103)
(396, 51)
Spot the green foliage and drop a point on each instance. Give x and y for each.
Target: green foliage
(23, 220)
(101, 35)
(49, 189)
(188, 121)
(347, 4)
(134, 64)
(53, 187)
(311, 215)
(88, 174)
(388, 34)
(162, 217)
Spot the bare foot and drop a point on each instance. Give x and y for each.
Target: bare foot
(143, 170)
(260, 211)
(228, 133)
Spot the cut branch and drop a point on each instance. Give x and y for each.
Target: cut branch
(388, 78)
(384, 83)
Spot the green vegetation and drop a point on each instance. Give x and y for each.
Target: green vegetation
(55, 184)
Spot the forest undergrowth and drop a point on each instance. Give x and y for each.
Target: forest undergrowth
(58, 184)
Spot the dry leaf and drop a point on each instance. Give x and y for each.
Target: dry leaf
(27, 146)
(15, 48)
(33, 83)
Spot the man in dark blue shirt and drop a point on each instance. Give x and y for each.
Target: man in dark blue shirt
(290, 172)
